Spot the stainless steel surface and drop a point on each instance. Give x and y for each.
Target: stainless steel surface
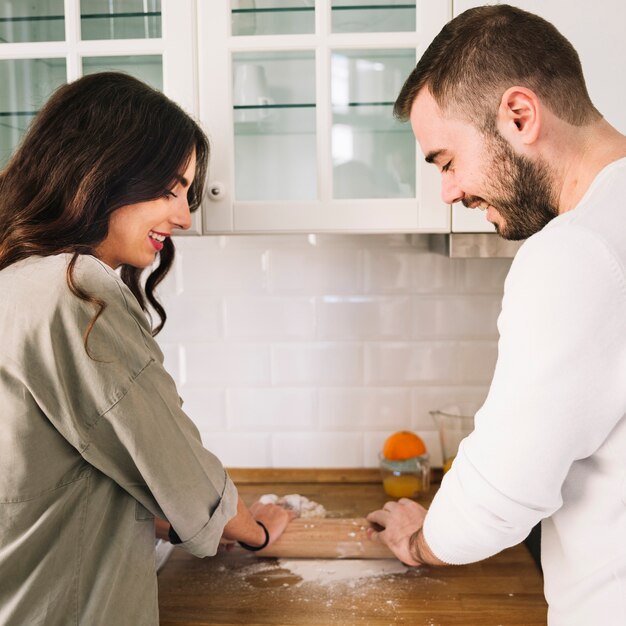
(473, 245)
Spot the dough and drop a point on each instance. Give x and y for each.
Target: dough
(302, 506)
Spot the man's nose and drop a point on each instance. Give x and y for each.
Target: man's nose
(450, 191)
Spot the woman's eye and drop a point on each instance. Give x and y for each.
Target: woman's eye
(170, 194)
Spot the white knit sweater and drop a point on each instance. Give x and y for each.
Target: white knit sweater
(550, 440)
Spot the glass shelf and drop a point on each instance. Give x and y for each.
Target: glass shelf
(120, 19)
(373, 154)
(145, 67)
(275, 120)
(274, 106)
(30, 83)
(121, 25)
(84, 16)
(260, 17)
(272, 10)
(22, 22)
(361, 16)
(295, 9)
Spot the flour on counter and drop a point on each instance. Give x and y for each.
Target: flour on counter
(328, 572)
(302, 506)
(324, 573)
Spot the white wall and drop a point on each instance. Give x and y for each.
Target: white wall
(307, 351)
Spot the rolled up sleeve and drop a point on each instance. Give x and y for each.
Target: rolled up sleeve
(556, 395)
(121, 410)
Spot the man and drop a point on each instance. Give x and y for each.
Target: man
(498, 103)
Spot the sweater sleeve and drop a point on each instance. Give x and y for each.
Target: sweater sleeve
(557, 392)
(121, 411)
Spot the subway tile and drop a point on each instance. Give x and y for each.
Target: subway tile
(263, 241)
(388, 270)
(169, 286)
(314, 271)
(270, 409)
(192, 318)
(233, 364)
(320, 363)
(432, 398)
(405, 363)
(364, 409)
(358, 241)
(455, 317)
(205, 406)
(433, 273)
(373, 444)
(477, 361)
(269, 317)
(482, 275)
(363, 317)
(217, 271)
(317, 450)
(172, 361)
(239, 449)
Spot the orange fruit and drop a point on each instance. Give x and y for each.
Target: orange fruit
(403, 445)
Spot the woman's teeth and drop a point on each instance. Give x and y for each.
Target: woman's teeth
(156, 237)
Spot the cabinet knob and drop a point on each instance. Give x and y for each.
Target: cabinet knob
(216, 191)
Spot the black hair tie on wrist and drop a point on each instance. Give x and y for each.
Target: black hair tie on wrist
(263, 545)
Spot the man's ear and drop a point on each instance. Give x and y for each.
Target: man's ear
(519, 116)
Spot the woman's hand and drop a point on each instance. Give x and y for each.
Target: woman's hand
(243, 526)
(274, 517)
(161, 529)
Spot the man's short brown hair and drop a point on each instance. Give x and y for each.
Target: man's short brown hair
(482, 52)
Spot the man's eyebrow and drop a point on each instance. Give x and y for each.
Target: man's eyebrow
(434, 154)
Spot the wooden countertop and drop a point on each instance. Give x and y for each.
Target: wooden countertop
(240, 588)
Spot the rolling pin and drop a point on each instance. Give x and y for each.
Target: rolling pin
(327, 538)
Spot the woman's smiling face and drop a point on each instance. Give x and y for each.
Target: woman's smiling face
(137, 231)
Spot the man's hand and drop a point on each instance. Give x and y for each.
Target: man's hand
(401, 524)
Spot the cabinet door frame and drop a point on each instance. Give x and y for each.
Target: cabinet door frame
(224, 214)
(176, 46)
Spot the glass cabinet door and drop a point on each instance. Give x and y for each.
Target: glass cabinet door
(120, 19)
(272, 17)
(303, 137)
(31, 20)
(373, 154)
(274, 120)
(46, 43)
(373, 16)
(27, 85)
(145, 67)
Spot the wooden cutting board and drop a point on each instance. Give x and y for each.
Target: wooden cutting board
(327, 538)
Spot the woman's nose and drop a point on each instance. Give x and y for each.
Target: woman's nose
(182, 217)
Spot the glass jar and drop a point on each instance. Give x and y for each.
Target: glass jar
(405, 479)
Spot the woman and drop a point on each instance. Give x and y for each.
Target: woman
(94, 443)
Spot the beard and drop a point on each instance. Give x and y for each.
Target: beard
(522, 191)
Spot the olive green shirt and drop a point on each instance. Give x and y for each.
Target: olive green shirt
(90, 450)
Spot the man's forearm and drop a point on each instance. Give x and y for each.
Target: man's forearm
(421, 551)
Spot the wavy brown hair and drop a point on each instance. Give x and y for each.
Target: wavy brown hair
(102, 142)
(485, 50)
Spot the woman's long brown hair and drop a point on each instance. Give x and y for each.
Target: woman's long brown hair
(100, 143)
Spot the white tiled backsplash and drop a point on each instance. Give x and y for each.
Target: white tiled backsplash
(308, 351)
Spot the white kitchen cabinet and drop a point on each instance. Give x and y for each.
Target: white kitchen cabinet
(297, 98)
(596, 30)
(46, 43)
